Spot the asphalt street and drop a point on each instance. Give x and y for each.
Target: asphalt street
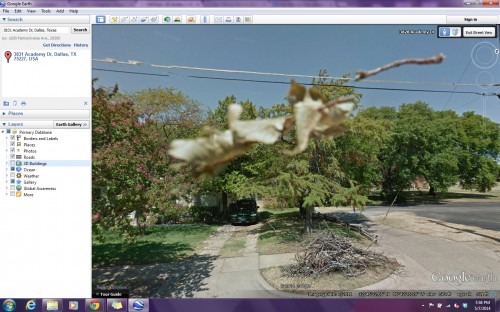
(485, 215)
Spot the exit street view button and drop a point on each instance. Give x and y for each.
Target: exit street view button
(480, 32)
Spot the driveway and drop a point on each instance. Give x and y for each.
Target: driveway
(239, 277)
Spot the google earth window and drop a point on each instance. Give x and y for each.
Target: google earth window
(250, 155)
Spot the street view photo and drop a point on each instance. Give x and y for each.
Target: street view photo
(281, 161)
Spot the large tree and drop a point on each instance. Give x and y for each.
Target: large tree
(132, 173)
(480, 150)
(440, 146)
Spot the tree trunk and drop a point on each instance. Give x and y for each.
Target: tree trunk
(308, 224)
(302, 209)
(140, 227)
(225, 212)
(432, 191)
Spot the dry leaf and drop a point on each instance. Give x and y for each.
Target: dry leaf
(298, 92)
(214, 149)
(313, 118)
(208, 154)
(331, 124)
(266, 131)
(307, 115)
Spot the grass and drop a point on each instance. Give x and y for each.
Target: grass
(234, 246)
(160, 244)
(333, 281)
(282, 231)
(454, 194)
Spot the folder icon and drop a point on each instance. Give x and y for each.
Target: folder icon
(18, 194)
(52, 305)
(117, 305)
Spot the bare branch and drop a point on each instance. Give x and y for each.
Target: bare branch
(338, 101)
(362, 74)
(327, 252)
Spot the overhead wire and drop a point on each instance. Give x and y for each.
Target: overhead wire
(460, 79)
(128, 72)
(306, 83)
(248, 72)
(468, 103)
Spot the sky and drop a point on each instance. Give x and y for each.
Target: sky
(300, 49)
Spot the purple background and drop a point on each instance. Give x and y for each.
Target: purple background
(247, 3)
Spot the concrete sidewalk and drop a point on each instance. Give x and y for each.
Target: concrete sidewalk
(428, 262)
(240, 277)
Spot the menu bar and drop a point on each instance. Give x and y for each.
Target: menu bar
(252, 3)
(484, 10)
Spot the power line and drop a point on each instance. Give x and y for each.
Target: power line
(248, 72)
(468, 103)
(334, 85)
(307, 83)
(129, 72)
(460, 79)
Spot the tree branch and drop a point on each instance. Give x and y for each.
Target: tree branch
(337, 101)
(362, 74)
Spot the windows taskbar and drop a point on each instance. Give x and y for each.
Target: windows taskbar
(250, 305)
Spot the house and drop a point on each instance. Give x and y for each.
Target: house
(419, 183)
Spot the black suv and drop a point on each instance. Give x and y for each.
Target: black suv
(244, 211)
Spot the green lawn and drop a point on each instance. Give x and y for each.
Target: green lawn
(453, 194)
(161, 244)
(282, 231)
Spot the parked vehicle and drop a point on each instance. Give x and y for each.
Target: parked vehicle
(244, 211)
